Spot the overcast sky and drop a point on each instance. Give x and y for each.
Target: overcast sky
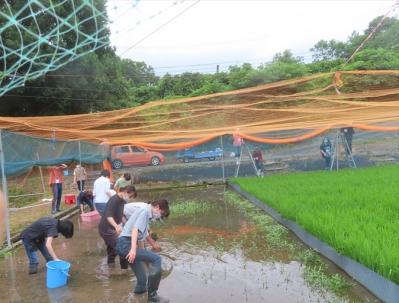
(192, 35)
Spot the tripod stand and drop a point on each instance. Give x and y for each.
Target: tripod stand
(340, 140)
(243, 145)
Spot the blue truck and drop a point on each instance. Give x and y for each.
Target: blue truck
(189, 155)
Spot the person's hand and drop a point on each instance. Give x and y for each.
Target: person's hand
(131, 255)
(156, 247)
(118, 229)
(56, 259)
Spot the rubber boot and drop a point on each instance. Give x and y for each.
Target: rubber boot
(157, 299)
(110, 259)
(33, 268)
(154, 279)
(123, 262)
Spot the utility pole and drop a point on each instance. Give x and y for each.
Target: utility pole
(217, 68)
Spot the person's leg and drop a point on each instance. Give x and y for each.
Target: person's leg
(90, 204)
(43, 249)
(328, 162)
(123, 247)
(154, 272)
(59, 195)
(100, 208)
(54, 189)
(79, 184)
(110, 241)
(350, 143)
(30, 252)
(82, 185)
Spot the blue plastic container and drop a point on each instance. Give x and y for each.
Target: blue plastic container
(57, 273)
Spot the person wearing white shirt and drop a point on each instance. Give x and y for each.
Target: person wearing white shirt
(102, 191)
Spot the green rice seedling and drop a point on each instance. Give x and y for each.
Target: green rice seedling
(354, 211)
(189, 208)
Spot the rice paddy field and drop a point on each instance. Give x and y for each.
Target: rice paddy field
(356, 211)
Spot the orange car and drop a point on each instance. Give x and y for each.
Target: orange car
(124, 155)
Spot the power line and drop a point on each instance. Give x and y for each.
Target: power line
(213, 64)
(160, 27)
(58, 98)
(138, 23)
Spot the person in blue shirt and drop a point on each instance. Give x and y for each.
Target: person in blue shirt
(135, 230)
(85, 198)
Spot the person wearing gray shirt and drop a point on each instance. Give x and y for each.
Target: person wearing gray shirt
(136, 229)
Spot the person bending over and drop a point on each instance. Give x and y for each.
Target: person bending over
(39, 236)
(85, 198)
(136, 229)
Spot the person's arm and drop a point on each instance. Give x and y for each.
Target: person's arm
(63, 166)
(50, 249)
(155, 246)
(74, 176)
(132, 253)
(117, 227)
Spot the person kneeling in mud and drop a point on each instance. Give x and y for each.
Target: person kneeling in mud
(136, 229)
(40, 235)
(111, 222)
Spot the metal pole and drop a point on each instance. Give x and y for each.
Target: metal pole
(5, 190)
(41, 174)
(338, 138)
(80, 154)
(221, 145)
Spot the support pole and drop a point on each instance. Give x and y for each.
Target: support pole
(41, 174)
(5, 190)
(221, 145)
(80, 154)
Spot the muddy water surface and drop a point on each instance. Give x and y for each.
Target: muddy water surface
(212, 252)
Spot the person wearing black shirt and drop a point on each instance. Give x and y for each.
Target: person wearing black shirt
(39, 235)
(111, 222)
(348, 133)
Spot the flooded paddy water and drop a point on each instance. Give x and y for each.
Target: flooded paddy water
(217, 247)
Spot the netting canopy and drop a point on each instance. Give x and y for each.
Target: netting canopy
(38, 36)
(281, 112)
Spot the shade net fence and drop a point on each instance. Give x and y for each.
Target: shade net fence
(38, 36)
(282, 118)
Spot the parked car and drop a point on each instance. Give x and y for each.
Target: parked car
(189, 154)
(125, 155)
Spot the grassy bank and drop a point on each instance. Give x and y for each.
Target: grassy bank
(355, 211)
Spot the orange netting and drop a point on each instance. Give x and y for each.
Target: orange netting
(281, 112)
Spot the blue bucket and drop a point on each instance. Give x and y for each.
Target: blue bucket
(57, 273)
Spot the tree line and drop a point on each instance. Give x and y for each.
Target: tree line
(102, 81)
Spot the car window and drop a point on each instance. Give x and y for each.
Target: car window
(122, 149)
(136, 149)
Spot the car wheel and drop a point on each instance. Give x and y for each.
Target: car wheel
(155, 161)
(117, 164)
(211, 158)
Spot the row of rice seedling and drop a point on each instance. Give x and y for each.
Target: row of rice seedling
(354, 211)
